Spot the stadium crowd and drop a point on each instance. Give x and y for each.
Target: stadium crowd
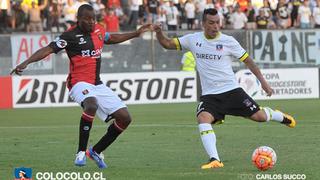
(122, 15)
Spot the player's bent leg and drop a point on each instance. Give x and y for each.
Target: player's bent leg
(121, 122)
(97, 158)
(213, 163)
(208, 139)
(288, 120)
(90, 107)
(267, 114)
(259, 116)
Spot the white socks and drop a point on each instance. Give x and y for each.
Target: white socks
(273, 115)
(208, 139)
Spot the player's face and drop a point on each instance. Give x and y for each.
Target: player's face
(87, 21)
(211, 25)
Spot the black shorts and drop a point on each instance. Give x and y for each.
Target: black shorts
(235, 102)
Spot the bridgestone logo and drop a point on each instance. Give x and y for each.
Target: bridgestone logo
(132, 88)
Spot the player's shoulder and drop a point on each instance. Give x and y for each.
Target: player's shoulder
(99, 27)
(195, 35)
(69, 33)
(227, 39)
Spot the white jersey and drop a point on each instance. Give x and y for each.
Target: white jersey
(213, 60)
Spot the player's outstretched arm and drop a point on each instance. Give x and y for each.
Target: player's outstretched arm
(256, 71)
(37, 56)
(118, 38)
(165, 42)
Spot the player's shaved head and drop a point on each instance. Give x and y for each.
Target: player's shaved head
(210, 11)
(83, 8)
(86, 18)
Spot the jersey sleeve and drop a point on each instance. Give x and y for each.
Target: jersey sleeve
(183, 42)
(237, 50)
(60, 43)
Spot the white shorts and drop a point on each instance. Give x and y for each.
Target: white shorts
(108, 101)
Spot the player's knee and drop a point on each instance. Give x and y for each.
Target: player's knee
(91, 108)
(126, 119)
(90, 105)
(205, 117)
(122, 118)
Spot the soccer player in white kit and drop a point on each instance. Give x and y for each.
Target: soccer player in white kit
(221, 93)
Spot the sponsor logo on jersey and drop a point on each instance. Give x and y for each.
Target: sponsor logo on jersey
(79, 35)
(82, 41)
(208, 56)
(92, 53)
(198, 44)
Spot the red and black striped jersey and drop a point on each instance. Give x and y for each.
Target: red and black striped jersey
(84, 51)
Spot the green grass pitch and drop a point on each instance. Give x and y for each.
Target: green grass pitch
(162, 143)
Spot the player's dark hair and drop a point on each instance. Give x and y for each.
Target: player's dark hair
(210, 11)
(84, 7)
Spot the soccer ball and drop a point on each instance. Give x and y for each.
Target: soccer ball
(264, 158)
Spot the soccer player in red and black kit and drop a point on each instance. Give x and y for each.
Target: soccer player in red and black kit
(83, 44)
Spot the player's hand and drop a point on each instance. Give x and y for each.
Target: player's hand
(19, 69)
(144, 28)
(267, 89)
(156, 27)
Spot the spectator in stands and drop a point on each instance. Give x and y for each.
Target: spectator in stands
(123, 18)
(224, 11)
(152, 9)
(35, 22)
(190, 10)
(242, 5)
(304, 15)
(251, 16)
(78, 3)
(201, 5)
(98, 8)
(227, 18)
(238, 19)
(113, 4)
(180, 6)
(134, 13)
(316, 15)
(69, 12)
(54, 16)
(172, 16)
(142, 11)
(111, 21)
(162, 15)
(273, 4)
(284, 20)
(5, 10)
(294, 12)
(27, 4)
(217, 6)
(262, 20)
(267, 12)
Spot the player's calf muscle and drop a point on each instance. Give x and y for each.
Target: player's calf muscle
(259, 116)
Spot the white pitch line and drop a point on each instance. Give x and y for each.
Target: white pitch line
(141, 125)
(99, 126)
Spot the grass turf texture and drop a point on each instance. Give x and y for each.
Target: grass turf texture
(162, 143)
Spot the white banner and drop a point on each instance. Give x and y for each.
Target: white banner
(133, 88)
(295, 83)
(286, 47)
(22, 47)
